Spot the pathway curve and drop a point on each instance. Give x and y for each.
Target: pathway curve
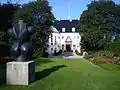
(67, 55)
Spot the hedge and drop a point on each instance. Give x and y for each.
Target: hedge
(113, 47)
(4, 49)
(76, 51)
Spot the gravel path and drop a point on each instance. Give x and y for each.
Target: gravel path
(67, 55)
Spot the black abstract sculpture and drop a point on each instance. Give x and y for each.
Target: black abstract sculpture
(21, 47)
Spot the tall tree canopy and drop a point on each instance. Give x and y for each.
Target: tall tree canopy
(38, 14)
(99, 23)
(7, 11)
(6, 15)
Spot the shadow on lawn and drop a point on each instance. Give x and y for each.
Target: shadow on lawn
(47, 72)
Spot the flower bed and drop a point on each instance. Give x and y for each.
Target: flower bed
(115, 58)
(112, 57)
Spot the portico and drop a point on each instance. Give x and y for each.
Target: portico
(68, 44)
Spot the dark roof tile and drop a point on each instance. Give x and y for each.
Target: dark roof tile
(67, 24)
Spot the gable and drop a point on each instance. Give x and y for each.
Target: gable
(68, 39)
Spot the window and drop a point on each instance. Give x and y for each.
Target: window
(74, 46)
(62, 47)
(55, 48)
(58, 46)
(51, 48)
(55, 41)
(74, 37)
(62, 37)
(51, 38)
(73, 29)
(51, 43)
(55, 38)
(63, 29)
(47, 45)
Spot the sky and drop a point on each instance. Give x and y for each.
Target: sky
(65, 9)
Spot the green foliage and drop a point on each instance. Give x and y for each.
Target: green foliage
(110, 67)
(37, 52)
(113, 47)
(4, 37)
(100, 57)
(117, 40)
(40, 16)
(76, 51)
(117, 60)
(104, 53)
(58, 53)
(99, 23)
(7, 11)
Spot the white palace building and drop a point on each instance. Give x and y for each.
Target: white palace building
(65, 37)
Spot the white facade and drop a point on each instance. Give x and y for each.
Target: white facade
(65, 41)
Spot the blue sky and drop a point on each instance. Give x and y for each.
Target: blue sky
(64, 8)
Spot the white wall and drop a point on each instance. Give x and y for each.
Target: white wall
(75, 37)
(60, 40)
(54, 44)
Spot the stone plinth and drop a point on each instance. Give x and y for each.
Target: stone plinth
(20, 73)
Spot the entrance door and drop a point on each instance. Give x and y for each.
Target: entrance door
(68, 47)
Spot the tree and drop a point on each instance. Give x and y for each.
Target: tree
(99, 23)
(39, 15)
(7, 11)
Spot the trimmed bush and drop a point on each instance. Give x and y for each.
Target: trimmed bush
(117, 40)
(58, 53)
(76, 51)
(113, 47)
(4, 49)
(104, 53)
(45, 54)
(37, 52)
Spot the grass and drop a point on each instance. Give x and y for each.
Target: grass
(68, 74)
(110, 67)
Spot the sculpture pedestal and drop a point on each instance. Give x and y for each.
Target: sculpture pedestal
(20, 73)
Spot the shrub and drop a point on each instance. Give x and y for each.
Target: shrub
(113, 47)
(37, 52)
(76, 51)
(102, 60)
(5, 49)
(117, 59)
(101, 57)
(58, 53)
(100, 54)
(45, 54)
(117, 40)
(104, 53)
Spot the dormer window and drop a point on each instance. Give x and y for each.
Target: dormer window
(73, 29)
(63, 29)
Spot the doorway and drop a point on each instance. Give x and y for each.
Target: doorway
(68, 48)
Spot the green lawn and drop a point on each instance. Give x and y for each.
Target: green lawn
(68, 74)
